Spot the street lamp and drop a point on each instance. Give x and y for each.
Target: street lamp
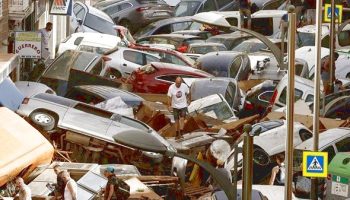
(144, 141)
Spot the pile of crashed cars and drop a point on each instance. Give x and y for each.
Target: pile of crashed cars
(101, 84)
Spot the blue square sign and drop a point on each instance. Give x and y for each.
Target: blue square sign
(315, 164)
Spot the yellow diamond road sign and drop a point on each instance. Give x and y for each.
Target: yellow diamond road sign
(328, 14)
(315, 164)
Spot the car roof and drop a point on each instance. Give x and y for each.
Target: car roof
(325, 138)
(301, 80)
(105, 91)
(173, 35)
(228, 13)
(104, 4)
(234, 35)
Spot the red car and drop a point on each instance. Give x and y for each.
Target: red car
(156, 77)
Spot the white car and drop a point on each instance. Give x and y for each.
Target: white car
(307, 53)
(342, 70)
(123, 61)
(90, 42)
(92, 20)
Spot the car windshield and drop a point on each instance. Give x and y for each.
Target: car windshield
(92, 49)
(220, 111)
(186, 8)
(218, 71)
(61, 67)
(145, 31)
(98, 24)
(306, 39)
(206, 49)
(151, 1)
(249, 47)
(195, 26)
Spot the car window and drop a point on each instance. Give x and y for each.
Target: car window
(331, 153)
(77, 8)
(150, 59)
(180, 26)
(96, 70)
(297, 95)
(98, 24)
(222, 3)
(235, 67)
(125, 6)
(266, 96)
(78, 40)
(341, 109)
(344, 38)
(133, 56)
(84, 97)
(272, 124)
(305, 135)
(232, 21)
(169, 58)
(309, 98)
(170, 78)
(93, 110)
(263, 25)
(343, 145)
(112, 9)
(209, 5)
(163, 30)
(229, 97)
(186, 8)
(99, 50)
(81, 14)
(325, 41)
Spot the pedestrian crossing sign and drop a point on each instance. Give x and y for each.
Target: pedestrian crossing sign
(328, 13)
(315, 164)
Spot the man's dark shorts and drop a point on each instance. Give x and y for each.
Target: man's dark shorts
(179, 112)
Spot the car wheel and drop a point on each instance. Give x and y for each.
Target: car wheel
(43, 119)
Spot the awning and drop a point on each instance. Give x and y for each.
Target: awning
(8, 62)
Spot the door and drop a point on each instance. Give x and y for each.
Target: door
(87, 119)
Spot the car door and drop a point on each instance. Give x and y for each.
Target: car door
(79, 12)
(87, 119)
(132, 60)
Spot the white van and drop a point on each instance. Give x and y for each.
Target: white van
(306, 36)
(304, 89)
(267, 22)
(90, 42)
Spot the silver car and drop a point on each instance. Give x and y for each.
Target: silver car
(54, 112)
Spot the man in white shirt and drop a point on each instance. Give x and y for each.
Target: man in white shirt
(71, 188)
(178, 94)
(45, 38)
(24, 190)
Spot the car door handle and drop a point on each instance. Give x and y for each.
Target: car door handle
(125, 65)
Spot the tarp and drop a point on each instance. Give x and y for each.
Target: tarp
(10, 96)
(116, 105)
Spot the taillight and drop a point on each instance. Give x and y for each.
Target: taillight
(273, 98)
(105, 58)
(140, 9)
(182, 48)
(248, 105)
(25, 101)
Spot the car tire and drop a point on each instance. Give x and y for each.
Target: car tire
(43, 119)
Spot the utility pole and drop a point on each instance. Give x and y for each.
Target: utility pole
(331, 48)
(247, 163)
(288, 190)
(317, 90)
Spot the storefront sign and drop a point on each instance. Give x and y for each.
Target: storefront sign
(28, 44)
(61, 7)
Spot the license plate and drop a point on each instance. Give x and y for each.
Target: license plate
(340, 189)
(158, 14)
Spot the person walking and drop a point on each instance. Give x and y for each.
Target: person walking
(59, 189)
(245, 11)
(45, 38)
(71, 188)
(24, 190)
(114, 188)
(278, 172)
(178, 98)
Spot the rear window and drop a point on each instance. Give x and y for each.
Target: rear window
(186, 8)
(98, 24)
(61, 67)
(297, 95)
